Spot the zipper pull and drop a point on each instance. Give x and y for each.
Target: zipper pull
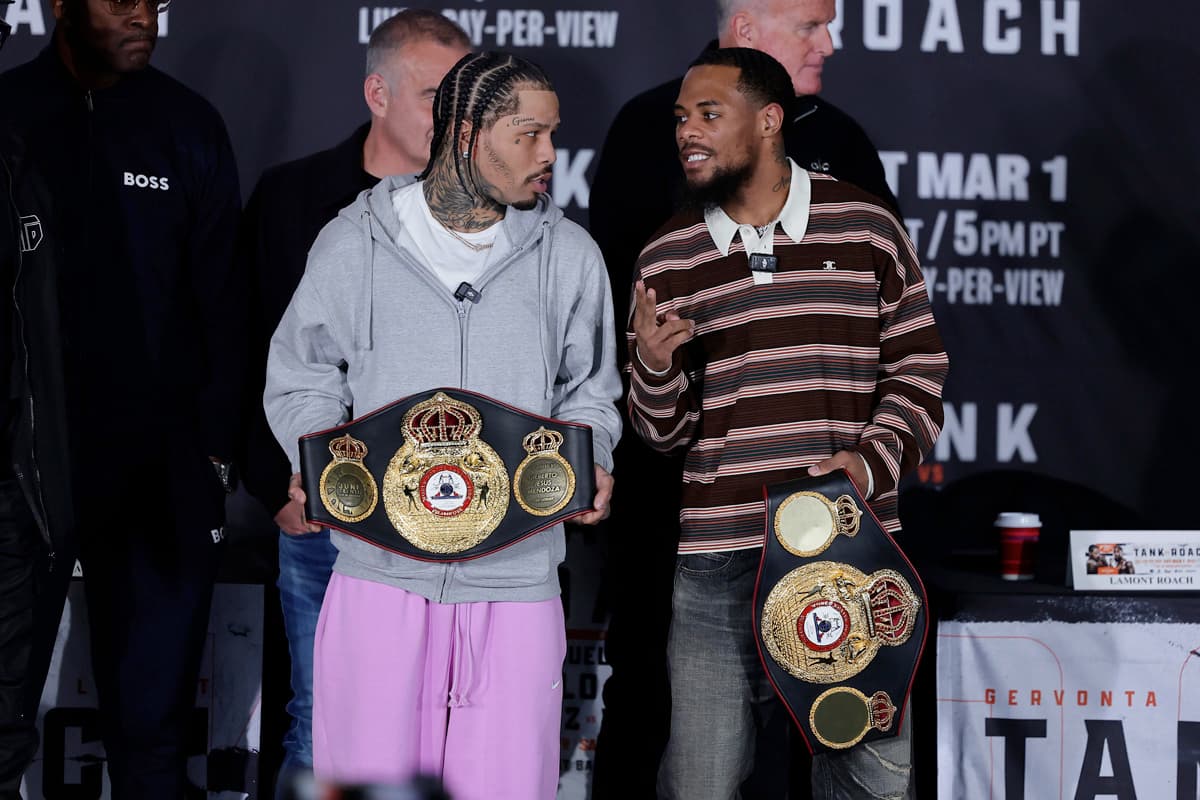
(87, 98)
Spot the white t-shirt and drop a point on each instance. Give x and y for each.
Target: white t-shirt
(445, 252)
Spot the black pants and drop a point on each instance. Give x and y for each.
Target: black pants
(31, 601)
(639, 567)
(148, 581)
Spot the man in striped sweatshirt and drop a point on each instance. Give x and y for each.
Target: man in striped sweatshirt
(781, 327)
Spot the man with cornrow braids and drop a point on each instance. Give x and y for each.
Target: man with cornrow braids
(450, 668)
(406, 59)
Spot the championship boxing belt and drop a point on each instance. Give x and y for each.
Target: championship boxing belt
(839, 613)
(462, 475)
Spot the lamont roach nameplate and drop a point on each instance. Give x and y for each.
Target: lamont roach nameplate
(462, 475)
(840, 614)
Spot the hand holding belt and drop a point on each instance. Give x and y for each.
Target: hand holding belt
(463, 475)
(839, 613)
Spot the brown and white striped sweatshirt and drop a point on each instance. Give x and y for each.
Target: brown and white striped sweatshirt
(838, 351)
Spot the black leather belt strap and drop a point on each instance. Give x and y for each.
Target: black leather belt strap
(840, 615)
(447, 475)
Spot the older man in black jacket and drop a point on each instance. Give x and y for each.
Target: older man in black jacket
(148, 325)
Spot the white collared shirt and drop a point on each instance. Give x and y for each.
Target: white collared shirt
(793, 218)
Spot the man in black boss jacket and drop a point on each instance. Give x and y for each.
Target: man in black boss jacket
(637, 186)
(150, 335)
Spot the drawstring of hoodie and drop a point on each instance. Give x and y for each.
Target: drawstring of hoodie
(462, 659)
(544, 321)
(362, 332)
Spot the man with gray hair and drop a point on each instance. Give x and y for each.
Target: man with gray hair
(406, 58)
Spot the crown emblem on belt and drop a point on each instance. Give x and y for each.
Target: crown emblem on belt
(442, 420)
(882, 711)
(543, 440)
(848, 515)
(347, 448)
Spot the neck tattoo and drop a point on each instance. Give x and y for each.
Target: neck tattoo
(455, 207)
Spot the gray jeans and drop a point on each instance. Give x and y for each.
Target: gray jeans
(728, 730)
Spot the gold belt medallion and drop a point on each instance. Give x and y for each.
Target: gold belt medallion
(347, 489)
(544, 482)
(806, 522)
(445, 490)
(840, 717)
(824, 622)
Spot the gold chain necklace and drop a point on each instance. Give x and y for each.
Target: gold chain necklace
(478, 248)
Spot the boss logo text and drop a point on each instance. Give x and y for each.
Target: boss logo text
(147, 181)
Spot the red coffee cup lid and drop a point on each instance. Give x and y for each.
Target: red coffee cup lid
(1018, 519)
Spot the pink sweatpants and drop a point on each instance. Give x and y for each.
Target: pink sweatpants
(470, 692)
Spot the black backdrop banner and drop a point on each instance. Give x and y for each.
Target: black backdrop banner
(1044, 153)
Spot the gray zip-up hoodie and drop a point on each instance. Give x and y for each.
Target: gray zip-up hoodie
(371, 323)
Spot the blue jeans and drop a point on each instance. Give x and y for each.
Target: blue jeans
(728, 729)
(305, 564)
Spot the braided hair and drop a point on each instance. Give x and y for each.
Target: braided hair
(481, 88)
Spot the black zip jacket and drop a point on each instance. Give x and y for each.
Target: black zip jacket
(33, 420)
(152, 309)
(289, 206)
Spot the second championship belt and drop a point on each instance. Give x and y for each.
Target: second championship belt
(447, 475)
(840, 615)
